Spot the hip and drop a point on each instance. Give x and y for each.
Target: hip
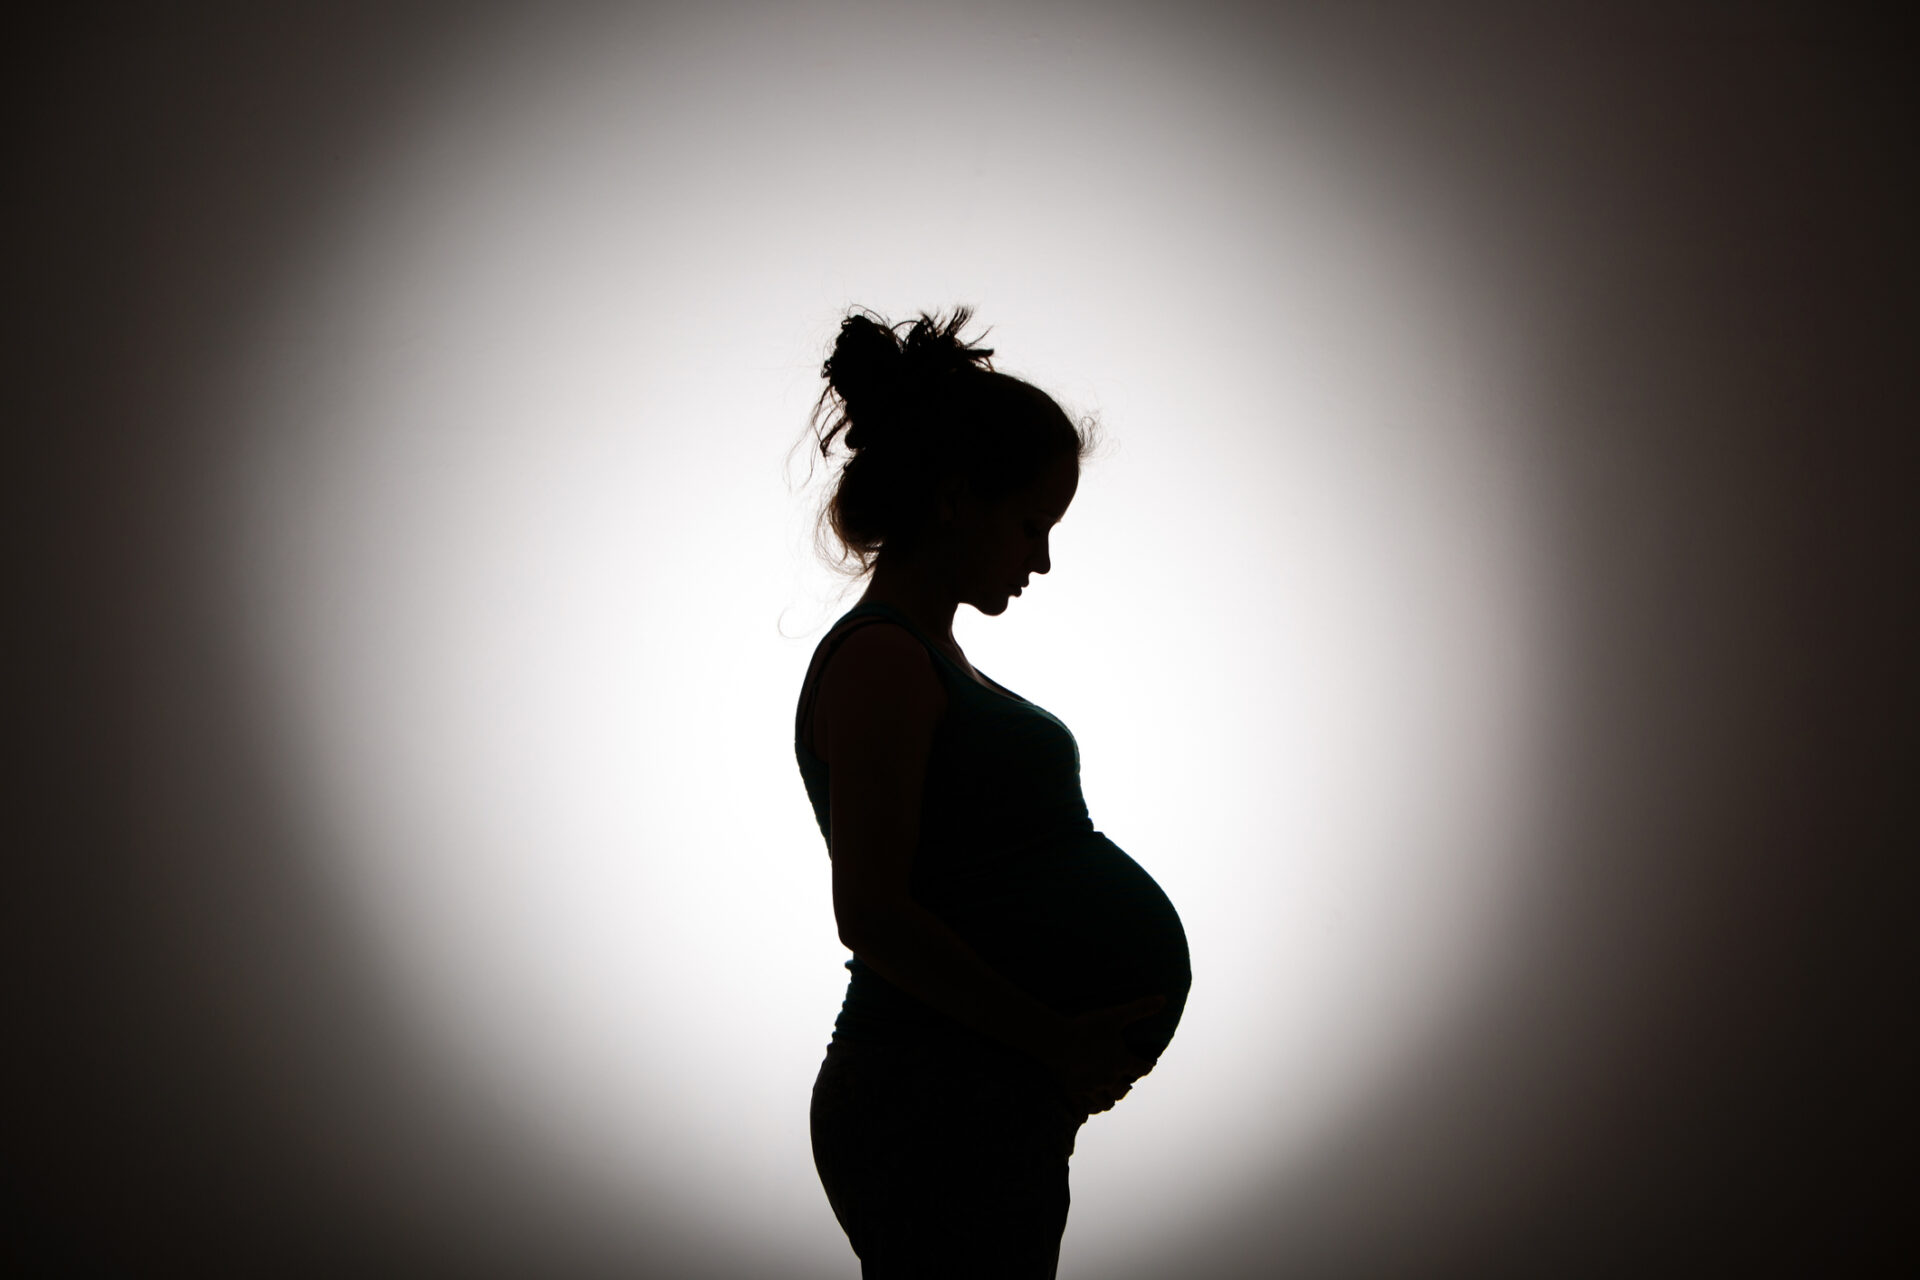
(938, 1086)
(941, 1166)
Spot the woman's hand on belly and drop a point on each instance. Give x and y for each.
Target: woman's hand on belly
(1090, 1059)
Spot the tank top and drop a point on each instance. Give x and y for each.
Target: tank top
(1009, 858)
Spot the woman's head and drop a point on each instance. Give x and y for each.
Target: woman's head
(945, 456)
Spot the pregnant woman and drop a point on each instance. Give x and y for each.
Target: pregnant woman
(1013, 970)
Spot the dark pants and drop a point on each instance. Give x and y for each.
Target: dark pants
(943, 1164)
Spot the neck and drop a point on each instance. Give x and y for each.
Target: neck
(920, 595)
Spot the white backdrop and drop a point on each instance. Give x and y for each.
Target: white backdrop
(528, 587)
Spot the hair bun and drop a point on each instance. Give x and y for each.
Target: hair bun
(864, 369)
(933, 348)
(872, 368)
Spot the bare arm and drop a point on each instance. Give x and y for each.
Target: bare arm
(879, 704)
(880, 701)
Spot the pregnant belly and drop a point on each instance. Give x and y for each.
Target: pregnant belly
(1082, 926)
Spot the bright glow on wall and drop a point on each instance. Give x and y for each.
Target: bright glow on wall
(530, 589)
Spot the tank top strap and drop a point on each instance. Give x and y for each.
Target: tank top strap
(956, 676)
(848, 623)
(891, 614)
(967, 683)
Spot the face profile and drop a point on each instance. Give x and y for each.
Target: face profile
(998, 548)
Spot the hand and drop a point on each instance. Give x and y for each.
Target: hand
(1090, 1059)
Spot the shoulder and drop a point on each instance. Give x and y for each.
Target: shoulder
(881, 662)
(881, 648)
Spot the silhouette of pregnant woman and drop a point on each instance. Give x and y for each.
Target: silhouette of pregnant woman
(1013, 970)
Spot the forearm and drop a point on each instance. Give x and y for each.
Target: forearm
(916, 951)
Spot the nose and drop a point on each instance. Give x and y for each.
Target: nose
(1043, 561)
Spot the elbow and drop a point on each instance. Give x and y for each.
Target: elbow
(865, 925)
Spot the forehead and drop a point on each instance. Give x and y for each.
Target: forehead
(1054, 490)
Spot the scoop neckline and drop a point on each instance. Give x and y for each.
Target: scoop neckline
(991, 685)
(993, 688)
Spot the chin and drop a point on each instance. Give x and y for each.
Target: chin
(993, 606)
